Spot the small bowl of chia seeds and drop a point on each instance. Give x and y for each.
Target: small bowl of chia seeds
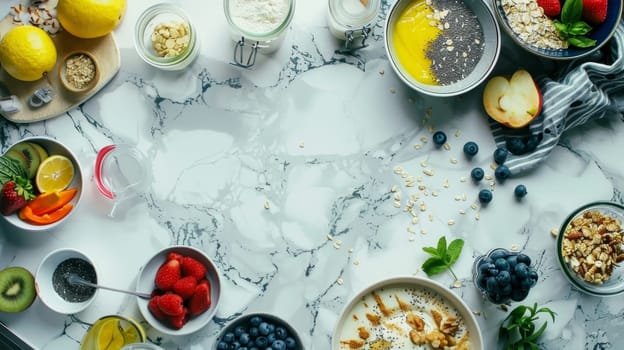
(51, 281)
(442, 47)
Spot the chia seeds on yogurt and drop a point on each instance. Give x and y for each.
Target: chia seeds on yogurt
(459, 46)
(74, 293)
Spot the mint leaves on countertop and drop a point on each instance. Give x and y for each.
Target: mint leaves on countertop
(518, 330)
(571, 27)
(442, 257)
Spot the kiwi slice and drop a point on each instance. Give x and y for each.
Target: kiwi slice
(31, 156)
(43, 154)
(17, 289)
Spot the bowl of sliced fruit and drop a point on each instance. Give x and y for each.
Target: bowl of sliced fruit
(40, 183)
(185, 287)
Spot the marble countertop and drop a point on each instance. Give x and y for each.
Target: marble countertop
(284, 175)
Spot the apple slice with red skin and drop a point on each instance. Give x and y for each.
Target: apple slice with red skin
(513, 102)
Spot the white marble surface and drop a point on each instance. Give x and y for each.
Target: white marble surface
(317, 135)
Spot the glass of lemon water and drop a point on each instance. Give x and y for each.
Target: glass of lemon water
(112, 333)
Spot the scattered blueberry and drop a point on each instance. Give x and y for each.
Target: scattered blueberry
(500, 155)
(502, 173)
(515, 145)
(439, 138)
(477, 174)
(520, 191)
(471, 149)
(485, 196)
(263, 328)
(531, 143)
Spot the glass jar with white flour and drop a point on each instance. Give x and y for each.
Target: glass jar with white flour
(352, 21)
(257, 26)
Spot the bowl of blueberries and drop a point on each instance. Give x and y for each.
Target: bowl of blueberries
(258, 331)
(502, 275)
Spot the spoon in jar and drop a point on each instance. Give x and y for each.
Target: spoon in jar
(73, 278)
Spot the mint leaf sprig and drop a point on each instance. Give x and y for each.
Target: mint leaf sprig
(442, 257)
(571, 27)
(518, 329)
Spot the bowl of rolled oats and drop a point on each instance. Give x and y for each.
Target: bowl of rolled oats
(79, 72)
(165, 37)
(590, 248)
(558, 31)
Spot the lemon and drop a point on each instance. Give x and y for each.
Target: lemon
(109, 336)
(27, 52)
(55, 173)
(90, 18)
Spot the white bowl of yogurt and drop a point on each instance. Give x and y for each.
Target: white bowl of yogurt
(407, 313)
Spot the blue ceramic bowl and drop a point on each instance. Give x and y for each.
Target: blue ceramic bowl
(601, 33)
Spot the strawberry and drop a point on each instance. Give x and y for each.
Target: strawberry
(178, 322)
(200, 301)
(552, 8)
(174, 256)
(185, 287)
(170, 304)
(594, 11)
(14, 195)
(192, 267)
(152, 306)
(167, 275)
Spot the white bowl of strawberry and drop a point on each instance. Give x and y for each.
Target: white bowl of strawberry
(186, 289)
(40, 183)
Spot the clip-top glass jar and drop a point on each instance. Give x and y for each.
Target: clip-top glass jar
(258, 25)
(352, 19)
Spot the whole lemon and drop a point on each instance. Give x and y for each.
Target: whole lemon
(27, 52)
(90, 18)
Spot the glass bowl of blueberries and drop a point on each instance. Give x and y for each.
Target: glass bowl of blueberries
(502, 275)
(258, 331)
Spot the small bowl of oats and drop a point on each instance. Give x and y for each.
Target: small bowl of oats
(590, 248)
(533, 29)
(165, 37)
(79, 72)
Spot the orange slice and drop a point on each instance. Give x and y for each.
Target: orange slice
(54, 174)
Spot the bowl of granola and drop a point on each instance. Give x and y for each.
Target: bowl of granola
(590, 248)
(407, 312)
(79, 72)
(554, 29)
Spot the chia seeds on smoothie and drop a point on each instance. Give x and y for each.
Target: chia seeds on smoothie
(74, 293)
(459, 47)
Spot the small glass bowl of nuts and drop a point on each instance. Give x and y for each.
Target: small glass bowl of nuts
(165, 38)
(590, 248)
(79, 72)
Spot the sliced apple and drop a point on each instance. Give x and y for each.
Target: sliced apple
(513, 102)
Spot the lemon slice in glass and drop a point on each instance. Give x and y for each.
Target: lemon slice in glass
(54, 174)
(109, 336)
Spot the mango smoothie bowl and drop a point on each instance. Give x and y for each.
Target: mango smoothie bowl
(442, 47)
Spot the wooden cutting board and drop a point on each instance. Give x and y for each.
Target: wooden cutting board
(106, 53)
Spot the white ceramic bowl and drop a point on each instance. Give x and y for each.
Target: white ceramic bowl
(44, 281)
(491, 51)
(418, 296)
(145, 283)
(52, 146)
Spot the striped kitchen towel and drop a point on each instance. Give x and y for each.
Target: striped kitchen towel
(583, 91)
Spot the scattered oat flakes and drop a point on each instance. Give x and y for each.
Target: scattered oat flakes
(301, 144)
(554, 232)
(267, 205)
(451, 222)
(340, 281)
(457, 284)
(392, 90)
